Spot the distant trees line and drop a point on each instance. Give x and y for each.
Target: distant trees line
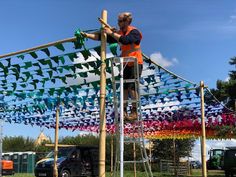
(161, 149)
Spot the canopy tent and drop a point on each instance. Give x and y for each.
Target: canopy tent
(32, 84)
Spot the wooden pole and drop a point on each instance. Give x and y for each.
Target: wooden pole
(55, 170)
(102, 138)
(39, 47)
(112, 152)
(203, 138)
(235, 105)
(135, 169)
(174, 153)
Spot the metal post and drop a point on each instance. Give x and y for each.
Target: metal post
(121, 120)
(203, 138)
(150, 153)
(102, 135)
(55, 170)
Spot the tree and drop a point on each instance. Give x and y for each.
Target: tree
(18, 144)
(87, 139)
(164, 149)
(226, 90)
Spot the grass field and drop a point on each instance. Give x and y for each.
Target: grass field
(210, 173)
(195, 173)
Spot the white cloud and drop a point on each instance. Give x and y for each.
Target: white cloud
(175, 60)
(227, 79)
(232, 18)
(161, 60)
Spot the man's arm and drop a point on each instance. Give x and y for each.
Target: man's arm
(97, 36)
(111, 33)
(133, 37)
(94, 36)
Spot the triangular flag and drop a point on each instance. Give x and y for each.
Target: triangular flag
(33, 54)
(60, 47)
(46, 51)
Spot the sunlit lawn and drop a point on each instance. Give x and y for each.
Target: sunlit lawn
(127, 174)
(22, 175)
(211, 173)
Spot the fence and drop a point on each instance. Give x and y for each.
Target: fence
(182, 168)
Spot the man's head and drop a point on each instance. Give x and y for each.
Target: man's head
(124, 20)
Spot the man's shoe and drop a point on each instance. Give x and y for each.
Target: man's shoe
(125, 115)
(133, 115)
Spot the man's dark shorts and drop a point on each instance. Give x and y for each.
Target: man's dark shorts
(129, 73)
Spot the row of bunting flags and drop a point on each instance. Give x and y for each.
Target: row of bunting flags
(34, 84)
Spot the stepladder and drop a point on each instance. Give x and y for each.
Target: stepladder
(126, 74)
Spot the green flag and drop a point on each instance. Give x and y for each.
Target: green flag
(60, 47)
(46, 51)
(34, 55)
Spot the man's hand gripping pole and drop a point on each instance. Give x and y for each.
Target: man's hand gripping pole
(105, 24)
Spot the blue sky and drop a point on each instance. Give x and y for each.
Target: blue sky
(193, 38)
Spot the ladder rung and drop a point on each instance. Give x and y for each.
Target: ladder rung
(133, 141)
(125, 59)
(127, 81)
(136, 161)
(130, 80)
(128, 101)
(138, 126)
(131, 101)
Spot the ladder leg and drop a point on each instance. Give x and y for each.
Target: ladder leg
(136, 122)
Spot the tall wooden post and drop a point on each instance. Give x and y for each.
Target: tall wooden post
(203, 138)
(55, 170)
(102, 137)
(135, 169)
(235, 105)
(174, 154)
(150, 153)
(112, 152)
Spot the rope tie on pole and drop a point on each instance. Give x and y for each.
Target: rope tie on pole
(80, 39)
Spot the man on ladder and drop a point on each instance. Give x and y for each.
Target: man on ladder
(129, 39)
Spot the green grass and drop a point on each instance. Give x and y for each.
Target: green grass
(127, 174)
(141, 174)
(22, 175)
(210, 173)
(195, 173)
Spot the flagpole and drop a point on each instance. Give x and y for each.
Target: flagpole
(102, 138)
(203, 138)
(55, 170)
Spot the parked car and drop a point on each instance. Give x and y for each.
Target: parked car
(195, 164)
(72, 161)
